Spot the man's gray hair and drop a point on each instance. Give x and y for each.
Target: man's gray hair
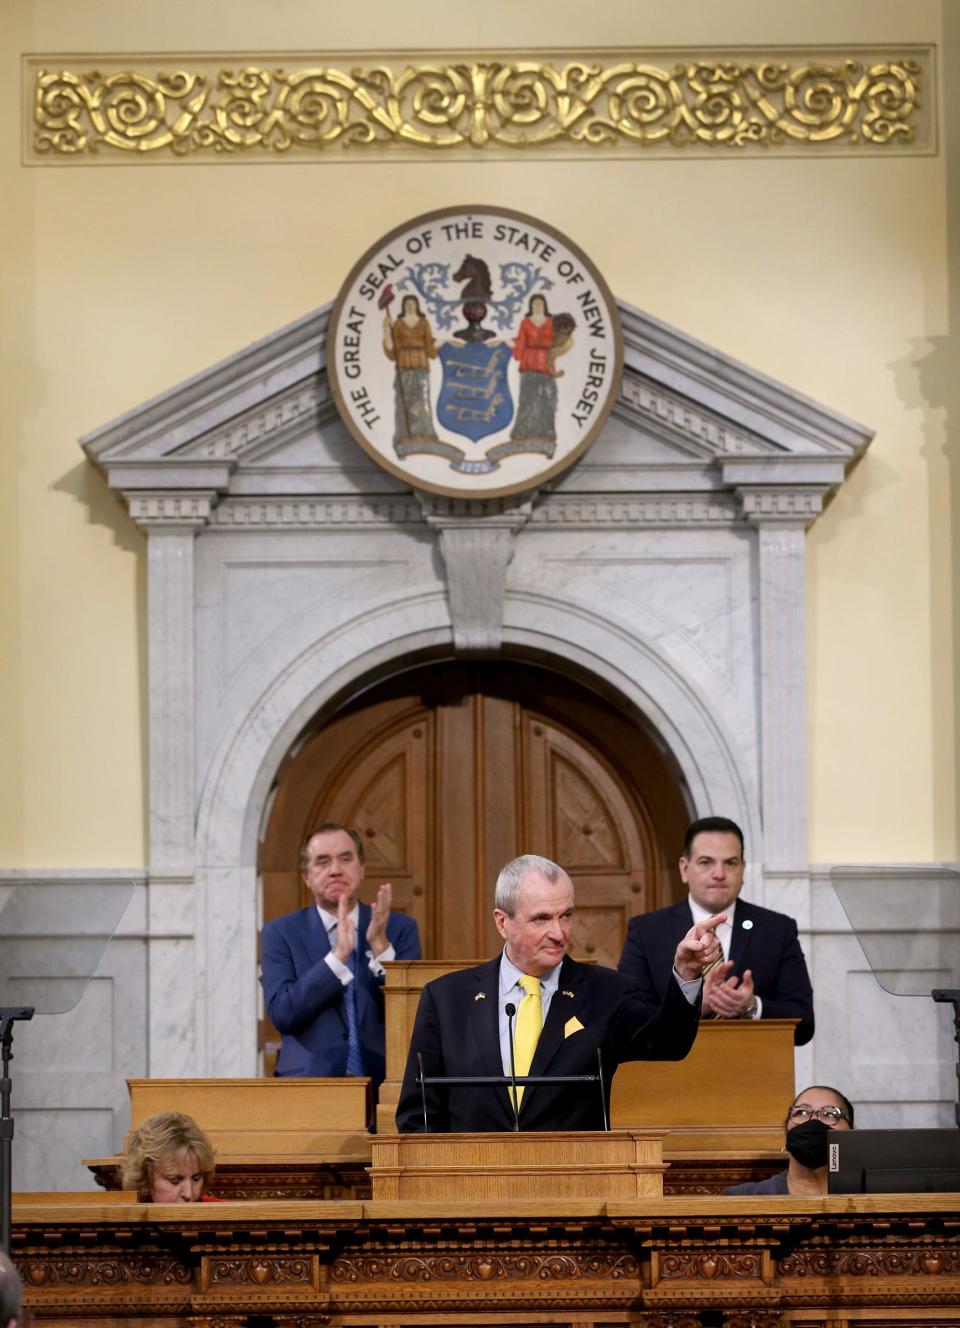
(508, 882)
(9, 1292)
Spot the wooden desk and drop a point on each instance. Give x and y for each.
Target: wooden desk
(729, 1096)
(265, 1117)
(552, 1165)
(275, 1138)
(843, 1262)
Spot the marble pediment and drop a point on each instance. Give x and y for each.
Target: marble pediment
(263, 423)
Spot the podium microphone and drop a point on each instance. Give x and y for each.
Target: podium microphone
(603, 1095)
(423, 1093)
(510, 1010)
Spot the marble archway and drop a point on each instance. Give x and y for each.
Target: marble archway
(283, 565)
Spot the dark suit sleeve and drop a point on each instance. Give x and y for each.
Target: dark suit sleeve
(426, 1040)
(292, 1001)
(639, 963)
(792, 995)
(667, 1035)
(406, 942)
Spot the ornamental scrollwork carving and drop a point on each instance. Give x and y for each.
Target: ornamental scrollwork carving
(259, 1271)
(360, 1268)
(871, 1263)
(711, 1266)
(105, 1272)
(602, 101)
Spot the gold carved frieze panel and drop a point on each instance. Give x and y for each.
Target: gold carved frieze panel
(431, 106)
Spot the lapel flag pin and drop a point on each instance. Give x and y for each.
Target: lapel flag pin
(568, 993)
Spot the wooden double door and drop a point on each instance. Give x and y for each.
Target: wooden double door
(449, 770)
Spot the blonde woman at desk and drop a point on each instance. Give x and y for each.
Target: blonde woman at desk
(169, 1159)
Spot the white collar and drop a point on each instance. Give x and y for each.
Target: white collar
(510, 976)
(329, 919)
(700, 914)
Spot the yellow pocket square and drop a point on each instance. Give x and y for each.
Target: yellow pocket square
(572, 1026)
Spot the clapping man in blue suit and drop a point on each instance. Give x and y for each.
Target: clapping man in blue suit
(764, 974)
(322, 966)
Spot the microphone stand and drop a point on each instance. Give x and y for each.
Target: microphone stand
(423, 1092)
(510, 1010)
(603, 1095)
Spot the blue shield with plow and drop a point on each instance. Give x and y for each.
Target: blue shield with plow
(475, 399)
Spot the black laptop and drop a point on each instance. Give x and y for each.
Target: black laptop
(893, 1161)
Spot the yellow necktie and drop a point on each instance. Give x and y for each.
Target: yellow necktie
(528, 1029)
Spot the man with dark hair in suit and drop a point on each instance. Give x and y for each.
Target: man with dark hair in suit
(9, 1293)
(764, 974)
(322, 966)
(565, 1012)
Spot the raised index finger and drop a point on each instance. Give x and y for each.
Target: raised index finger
(709, 923)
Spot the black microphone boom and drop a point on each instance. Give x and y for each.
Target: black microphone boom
(510, 1010)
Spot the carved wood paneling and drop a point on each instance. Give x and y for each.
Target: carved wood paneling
(822, 1264)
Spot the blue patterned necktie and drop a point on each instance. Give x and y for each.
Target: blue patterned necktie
(354, 1051)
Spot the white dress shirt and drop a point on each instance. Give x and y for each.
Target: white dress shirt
(724, 934)
(342, 971)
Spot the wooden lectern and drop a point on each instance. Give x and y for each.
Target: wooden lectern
(401, 993)
(729, 1095)
(450, 1168)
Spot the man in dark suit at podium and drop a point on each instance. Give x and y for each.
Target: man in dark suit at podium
(764, 974)
(322, 966)
(564, 1013)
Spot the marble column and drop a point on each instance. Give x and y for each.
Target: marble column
(172, 521)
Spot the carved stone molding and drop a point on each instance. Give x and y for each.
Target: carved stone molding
(477, 553)
(287, 415)
(572, 511)
(360, 106)
(782, 506)
(167, 510)
(641, 402)
(316, 513)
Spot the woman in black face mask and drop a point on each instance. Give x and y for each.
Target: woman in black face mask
(813, 1114)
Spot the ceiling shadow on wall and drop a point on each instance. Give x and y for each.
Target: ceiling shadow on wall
(104, 507)
(927, 380)
(935, 365)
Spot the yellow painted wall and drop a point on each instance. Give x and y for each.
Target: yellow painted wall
(118, 282)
